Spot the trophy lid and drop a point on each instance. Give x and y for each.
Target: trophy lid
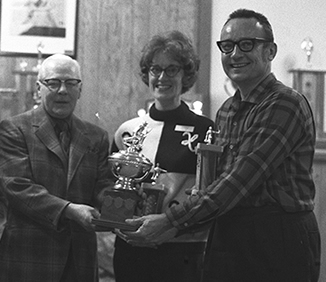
(130, 157)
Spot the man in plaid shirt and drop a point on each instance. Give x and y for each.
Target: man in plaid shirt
(261, 204)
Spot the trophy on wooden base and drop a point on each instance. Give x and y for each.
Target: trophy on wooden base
(123, 201)
(155, 194)
(207, 157)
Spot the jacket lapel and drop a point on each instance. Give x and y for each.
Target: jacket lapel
(79, 143)
(45, 132)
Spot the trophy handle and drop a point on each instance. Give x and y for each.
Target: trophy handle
(142, 177)
(115, 173)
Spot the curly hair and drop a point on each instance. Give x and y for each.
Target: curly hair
(180, 48)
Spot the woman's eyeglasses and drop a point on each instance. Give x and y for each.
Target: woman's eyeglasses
(170, 71)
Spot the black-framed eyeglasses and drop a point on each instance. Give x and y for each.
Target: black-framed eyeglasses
(54, 84)
(245, 44)
(170, 71)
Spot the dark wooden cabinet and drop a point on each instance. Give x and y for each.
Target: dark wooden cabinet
(9, 101)
(26, 86)
(311, 83)
(16, 100)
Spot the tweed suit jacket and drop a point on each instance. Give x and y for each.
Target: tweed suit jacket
(38, 183)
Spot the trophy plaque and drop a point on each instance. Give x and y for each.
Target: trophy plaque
(130, 167)
(155, 194)
(207, 158)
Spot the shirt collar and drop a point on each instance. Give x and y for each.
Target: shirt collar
(57, 123)
(178, 114)
(259, 93)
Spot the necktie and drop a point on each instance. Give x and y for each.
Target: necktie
(64, 136)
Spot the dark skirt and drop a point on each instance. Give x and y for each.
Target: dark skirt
(173, 262)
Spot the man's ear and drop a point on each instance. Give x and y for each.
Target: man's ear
(272, 51)
(38, 86)
(80, 90)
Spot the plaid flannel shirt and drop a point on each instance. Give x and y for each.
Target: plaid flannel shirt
(268, 140)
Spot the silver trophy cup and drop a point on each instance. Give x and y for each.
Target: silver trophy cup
(130, 167)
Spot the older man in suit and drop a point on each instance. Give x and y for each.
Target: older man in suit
(53, 167)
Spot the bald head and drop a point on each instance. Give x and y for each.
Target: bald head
(59, 61)
(59, 85)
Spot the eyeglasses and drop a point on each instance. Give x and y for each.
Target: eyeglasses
(170, 71)
(54, 84)
(245, 44)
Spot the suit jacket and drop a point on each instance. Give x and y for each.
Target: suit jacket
(38, 183)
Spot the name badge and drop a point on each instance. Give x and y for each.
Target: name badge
(184, 128)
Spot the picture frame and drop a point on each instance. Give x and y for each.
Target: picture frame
(30, 27)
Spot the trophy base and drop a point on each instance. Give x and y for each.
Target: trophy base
(118, 205)
(107, 225)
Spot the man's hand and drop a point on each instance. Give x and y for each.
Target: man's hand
(82, 214)
(154, 229)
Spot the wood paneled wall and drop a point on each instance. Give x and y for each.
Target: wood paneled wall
(111, 34)
(110, 37)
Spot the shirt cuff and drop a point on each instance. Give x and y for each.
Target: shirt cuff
(176, 220)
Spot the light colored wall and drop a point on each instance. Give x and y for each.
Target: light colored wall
(291, 20)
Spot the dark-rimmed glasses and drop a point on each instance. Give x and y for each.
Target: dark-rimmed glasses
(170, 71)
(54, 84)
(245, 44)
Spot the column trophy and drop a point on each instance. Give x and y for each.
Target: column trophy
(207, 159)
(130, 167)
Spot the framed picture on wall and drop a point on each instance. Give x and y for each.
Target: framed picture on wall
(28, 27)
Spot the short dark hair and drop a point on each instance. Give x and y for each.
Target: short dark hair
(244, 13)
(180, 47)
